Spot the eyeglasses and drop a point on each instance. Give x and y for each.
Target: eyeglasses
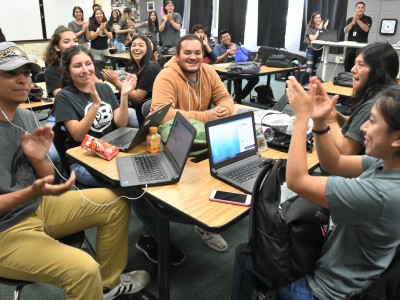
(225, 36)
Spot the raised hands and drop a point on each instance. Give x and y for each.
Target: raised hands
(129, 84)
(36, 145)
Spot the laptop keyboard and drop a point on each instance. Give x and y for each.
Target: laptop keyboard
(246, 173)
(149, 168)
(124, 139)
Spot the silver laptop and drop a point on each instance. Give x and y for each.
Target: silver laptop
(328, 35)
(161, 168)
(233, 152)
(126, 138)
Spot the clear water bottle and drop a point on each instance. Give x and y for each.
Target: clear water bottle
(109, 65)
(261, 142)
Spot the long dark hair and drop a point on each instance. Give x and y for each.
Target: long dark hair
(310, 24)
(388, 106)
(146, 59)
(383, 64)
(66, 59)
(94, 21)
(77, 8)
(150, 26)
(51, 55)
(2, 37)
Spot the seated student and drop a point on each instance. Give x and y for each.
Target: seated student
(144, 69)
(88, 107)
(158, 57)
(376, 67)
(34, 211)
(191, 87)
(362, 199)
(209, 56)
(225, 52)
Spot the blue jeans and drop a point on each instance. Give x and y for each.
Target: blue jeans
(243, 282)
(313, 60)
(120, 47)
(53, 154)
(132, 118)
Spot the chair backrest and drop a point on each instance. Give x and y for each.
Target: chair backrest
(60, 135)
(39, 77)
(146, 108)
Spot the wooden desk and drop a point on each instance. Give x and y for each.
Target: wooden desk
(42, 104)
(264, 70)
(123, 55)
(186, 201)
(332, 89)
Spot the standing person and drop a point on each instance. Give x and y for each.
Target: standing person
(143, 66)
(313, 56)
(94, 7)
(191, 87)
(87, 107)
(34, 211)
(376, 68)
(100, 32)
(132, 33)
(113, 23)
(225, 52)
(79, 26)
(362, 199)
(358, 28)
(209, 56)
(2, 37)
(152, 25)
(123, 30)
(170, 27)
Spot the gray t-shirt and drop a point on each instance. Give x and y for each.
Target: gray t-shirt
(351, 128)
(170, 36)
(366, 212)
(121, 38)
(16, 172)
(76, 28)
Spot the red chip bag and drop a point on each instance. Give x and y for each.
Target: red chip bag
(101, 148)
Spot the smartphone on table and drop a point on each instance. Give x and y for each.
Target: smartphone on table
(230, 197)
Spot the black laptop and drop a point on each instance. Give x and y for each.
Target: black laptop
(233, 152)
(328, 35)
(160, 168)
(126, 138)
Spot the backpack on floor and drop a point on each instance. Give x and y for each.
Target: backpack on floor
(285, 238)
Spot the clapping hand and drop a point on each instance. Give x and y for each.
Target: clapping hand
(326, 24)
(36, 145)
(129, 84)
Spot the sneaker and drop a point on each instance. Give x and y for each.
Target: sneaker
(149, 247)
(130, 283)
(213, 240)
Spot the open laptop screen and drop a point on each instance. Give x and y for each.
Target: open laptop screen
(231, 139)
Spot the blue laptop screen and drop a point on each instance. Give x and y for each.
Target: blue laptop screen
(231, 139)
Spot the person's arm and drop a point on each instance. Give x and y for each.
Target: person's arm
(121, 114)
(221, 53)
(349, 24)
(175, 25)
(161, 26)
(313, 188)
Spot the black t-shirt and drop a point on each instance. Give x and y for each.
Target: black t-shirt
(101, 42)
(356, 34)
(146, 77)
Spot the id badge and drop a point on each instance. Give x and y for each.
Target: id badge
(355, 33)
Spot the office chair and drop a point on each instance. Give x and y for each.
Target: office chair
(74, 240)
(39, 77)
(146, 108)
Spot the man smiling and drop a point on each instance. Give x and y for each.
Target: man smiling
(191, 86)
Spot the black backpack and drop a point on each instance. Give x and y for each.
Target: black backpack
(285, 239)
(344, 79)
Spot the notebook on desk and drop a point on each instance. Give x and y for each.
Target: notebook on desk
(160, 168)
(233, 152)
(328, 35)
(126, 138)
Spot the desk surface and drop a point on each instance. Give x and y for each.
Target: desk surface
(264, 70)
(336, 89)
(190, 194)
(340, 44)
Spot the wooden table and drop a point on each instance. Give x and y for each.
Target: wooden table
(186, 201)
(332, 89)
(39, 105)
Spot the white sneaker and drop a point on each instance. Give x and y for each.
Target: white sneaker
(213, 240)
(131, 283)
